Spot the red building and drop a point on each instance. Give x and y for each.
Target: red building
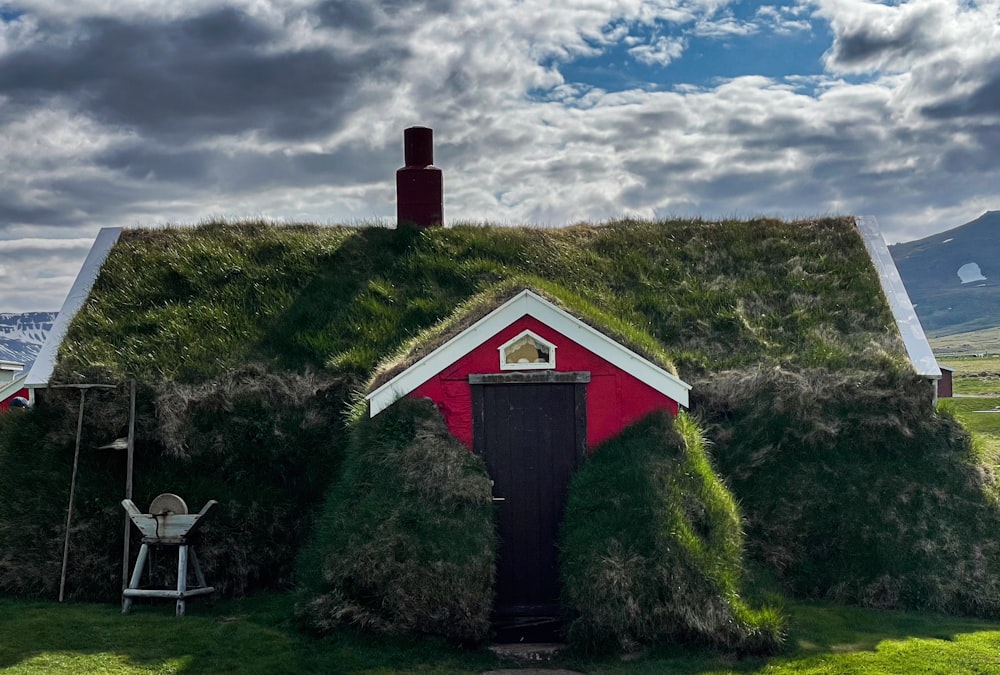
(944, 385)
(12, 378)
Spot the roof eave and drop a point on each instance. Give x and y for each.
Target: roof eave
(918, 349)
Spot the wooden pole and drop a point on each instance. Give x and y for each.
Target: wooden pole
(72, 490)
(128, 483)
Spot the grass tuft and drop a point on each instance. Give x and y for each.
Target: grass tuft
(652, 547)
(855, 489)
(264, 445)
(406, 543)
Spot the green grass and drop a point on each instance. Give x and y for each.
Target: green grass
(254, 636)
(896, 510)
(406, 540)
(984, 425)
(974, 376)
(651, 549)
(250, 636)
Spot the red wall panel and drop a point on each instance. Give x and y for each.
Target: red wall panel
(615, 399)
(5, 404)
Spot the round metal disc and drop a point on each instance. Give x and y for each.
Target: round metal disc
(167, 503)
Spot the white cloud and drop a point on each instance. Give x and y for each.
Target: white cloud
(35, 274)
(876, 37)
(296, 109)
(661, 51)
(784, 19)
(724, 26)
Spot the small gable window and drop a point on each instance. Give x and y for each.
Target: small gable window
(527, 351)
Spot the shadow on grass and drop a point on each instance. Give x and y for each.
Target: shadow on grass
(255, 635)
(248, 636)
(306, 332)
(824, 637)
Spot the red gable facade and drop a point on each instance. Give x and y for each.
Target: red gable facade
(620, 386)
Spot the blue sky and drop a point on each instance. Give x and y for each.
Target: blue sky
(145, 113)
(765, 49)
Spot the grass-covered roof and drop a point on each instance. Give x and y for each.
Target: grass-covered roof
(190, 303)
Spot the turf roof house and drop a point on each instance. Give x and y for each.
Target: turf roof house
(587, 384)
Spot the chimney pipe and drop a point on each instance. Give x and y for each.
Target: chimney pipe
(419, 184)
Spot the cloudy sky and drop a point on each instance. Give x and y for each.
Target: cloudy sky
(144, 112)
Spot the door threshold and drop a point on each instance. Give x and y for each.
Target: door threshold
(533, 629)
(528, 652)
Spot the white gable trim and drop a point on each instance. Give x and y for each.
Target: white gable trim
(917, 347)
(530, 304)
(45, 362)
(10, 388)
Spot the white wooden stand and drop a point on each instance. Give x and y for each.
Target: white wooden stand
(182, 592)
(166, 530)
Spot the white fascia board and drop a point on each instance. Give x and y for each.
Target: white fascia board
(45, 362)
(531, 304)
(917, 347)
(13, 366)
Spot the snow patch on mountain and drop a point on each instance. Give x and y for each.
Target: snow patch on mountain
(22, 336)
(970, 272)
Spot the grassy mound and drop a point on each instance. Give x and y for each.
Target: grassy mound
(854, 489)
(264, 445)
(33, 499)
(652, 546)
(406, 543)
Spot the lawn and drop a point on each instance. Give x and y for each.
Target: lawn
(971, 412)
(255, 636)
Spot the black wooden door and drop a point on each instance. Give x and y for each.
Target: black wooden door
(531, 437)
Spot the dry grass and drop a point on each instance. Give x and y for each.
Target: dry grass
(854, 489)
(652, 547)
(406, 543)
(265, 445)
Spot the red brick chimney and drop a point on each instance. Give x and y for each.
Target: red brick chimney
(419, 184)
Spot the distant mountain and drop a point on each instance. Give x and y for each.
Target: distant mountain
(22, 335)
(953, 278)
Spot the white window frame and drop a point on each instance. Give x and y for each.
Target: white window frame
(505, 365)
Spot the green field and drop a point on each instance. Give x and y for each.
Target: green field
(254, 636)
(975, 376)
(984, 341)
